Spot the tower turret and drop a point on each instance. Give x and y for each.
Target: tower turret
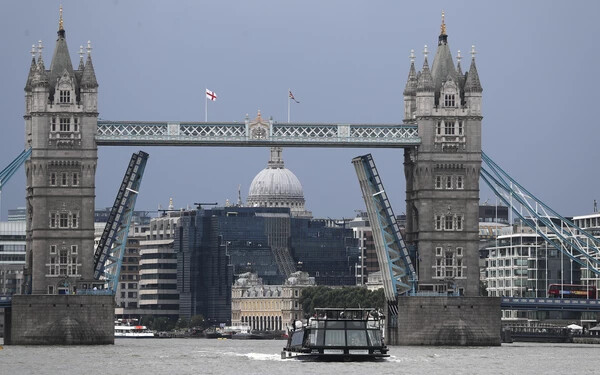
(473, 87)
(410, 91)
(425, 88)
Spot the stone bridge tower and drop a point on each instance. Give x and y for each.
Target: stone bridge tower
(60, 126)
(442, 174)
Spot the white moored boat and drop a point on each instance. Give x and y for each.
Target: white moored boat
(132, 331)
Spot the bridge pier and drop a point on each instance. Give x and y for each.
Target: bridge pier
(60, 320)
(448, 321)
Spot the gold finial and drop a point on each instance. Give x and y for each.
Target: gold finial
(443, 32)
(60, 20)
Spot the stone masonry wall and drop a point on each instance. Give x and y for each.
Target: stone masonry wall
(61, 320)
(453, 321)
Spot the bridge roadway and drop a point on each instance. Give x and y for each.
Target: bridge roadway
(550, 304)
(260, 133)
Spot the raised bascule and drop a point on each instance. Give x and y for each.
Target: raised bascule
(440, 135)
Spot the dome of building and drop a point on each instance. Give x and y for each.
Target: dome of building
(277, 186)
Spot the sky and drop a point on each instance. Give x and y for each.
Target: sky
(345, 61)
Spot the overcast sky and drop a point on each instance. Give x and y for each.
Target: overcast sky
(345, 61)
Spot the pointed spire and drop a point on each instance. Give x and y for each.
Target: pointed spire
(411, 82)
(88, 79)
(472, 84)
(32, 69)
(239, 201)
(61, 60)
(81, 63)
(61, 26)
(458, 67)
(443, 38)
(276, 160)
(425, 82)
(443, 27)
(60, 19)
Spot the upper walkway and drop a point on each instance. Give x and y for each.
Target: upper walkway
(258, 133)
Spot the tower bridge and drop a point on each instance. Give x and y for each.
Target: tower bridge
(440, 137)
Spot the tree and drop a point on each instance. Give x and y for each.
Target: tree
(197, 321)
(321, 296)
(182, 323)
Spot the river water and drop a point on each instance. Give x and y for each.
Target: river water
(248, 357)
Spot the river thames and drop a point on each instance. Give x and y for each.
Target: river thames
(204, 356)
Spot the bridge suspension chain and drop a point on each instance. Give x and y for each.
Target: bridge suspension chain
(574, 242)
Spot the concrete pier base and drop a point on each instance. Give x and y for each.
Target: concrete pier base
(60, 320)
(452, 321)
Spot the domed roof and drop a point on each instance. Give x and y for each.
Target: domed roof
(276, 186)
(276, 183)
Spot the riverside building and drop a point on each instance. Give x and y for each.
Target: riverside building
(267, 307)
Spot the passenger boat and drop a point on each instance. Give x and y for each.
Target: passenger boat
(336, 334)
(129, 331)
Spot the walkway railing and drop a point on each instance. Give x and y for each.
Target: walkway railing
(267, 133)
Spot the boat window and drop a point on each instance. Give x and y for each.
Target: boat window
(374, 337)
(335, 338)
(297, 338)
(357, 338)
(373, 324)
(335, 324)
(317, 337)
(356, 325)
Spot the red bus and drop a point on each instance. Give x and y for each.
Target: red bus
(571, 291)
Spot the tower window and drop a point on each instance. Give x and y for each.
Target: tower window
(459, 182)
(438, 251)
(439, 128)
(65, 124)
(53, 124)
(448, 182)
(449, 128)
(460, 128)
(63, 221)
(449, 100)
(63, 179)
(74, 220)
(65, 96)
(53, 220)
(438, 182)
(449, 225)
(75, 179)
(52, 250)
(438, 222)
(459, 222)
(75, 124)
(53, 179)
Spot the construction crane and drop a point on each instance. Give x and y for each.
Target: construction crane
(108, 257)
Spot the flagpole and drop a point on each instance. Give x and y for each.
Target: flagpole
(205, 106)
(289, 90)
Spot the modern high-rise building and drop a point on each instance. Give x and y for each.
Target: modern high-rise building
(442, 173)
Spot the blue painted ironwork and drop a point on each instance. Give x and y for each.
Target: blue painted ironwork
(108, 257)
(397, 270)
(116, 133)
(10, 170)
(577, 244)
(549, 304)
